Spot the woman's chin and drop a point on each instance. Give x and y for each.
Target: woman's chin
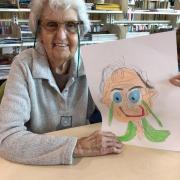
(61, 57)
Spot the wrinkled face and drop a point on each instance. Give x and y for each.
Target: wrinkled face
(59, 43)
(126, 90)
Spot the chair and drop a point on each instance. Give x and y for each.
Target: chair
(95, 117)
(2, 87)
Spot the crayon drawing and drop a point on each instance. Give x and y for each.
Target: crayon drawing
(129, 83)
(129, 98)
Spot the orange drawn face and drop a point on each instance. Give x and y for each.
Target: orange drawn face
(126, 90)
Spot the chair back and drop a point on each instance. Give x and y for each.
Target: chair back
(2, 87)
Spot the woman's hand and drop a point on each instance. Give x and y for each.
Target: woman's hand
(97, 144)
(175, 80)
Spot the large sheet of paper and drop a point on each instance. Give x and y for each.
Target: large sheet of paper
(128, 80)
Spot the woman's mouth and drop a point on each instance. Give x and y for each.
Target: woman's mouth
(62, 45)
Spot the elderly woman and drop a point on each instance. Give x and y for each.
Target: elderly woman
(47, 91)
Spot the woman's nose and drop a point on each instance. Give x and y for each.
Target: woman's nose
(61, 33)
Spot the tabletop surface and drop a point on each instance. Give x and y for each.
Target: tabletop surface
(134, 163)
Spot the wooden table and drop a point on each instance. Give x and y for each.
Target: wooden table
(133, 164)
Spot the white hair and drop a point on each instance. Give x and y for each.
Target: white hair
(110, 69)
(78, 5)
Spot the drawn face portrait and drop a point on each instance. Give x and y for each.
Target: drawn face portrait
(125, 90)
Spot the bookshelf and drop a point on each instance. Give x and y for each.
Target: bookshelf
(152, 16)
(13, 17)
(16, 14)
(158, 11)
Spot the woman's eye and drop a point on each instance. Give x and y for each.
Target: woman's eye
(134, 96)
(116, 96)
(52, 24)
(71, 24)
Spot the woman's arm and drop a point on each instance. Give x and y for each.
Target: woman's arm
(16, 143)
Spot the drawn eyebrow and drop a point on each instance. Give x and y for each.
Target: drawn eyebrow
(135, 87)
(116, 89)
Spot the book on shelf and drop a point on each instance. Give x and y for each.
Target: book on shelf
(8, 4)
(136, 34)
(5, 67)
(158, 10)
(141, 30)
(107, 6)
(150, 4)
(9, 40)
(24, 3)
(9, 31)
(102, 36)
(5, 28)
(26, 34)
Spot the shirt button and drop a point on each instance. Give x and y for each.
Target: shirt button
(65, 92)
(66, 121)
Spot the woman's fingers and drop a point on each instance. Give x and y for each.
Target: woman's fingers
(175, 80)
(113, 144)
(110, 150)
(98, 143)
(114, 150)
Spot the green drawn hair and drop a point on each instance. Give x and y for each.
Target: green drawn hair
(152, 134)
(111, 109)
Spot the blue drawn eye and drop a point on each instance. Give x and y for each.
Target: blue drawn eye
(134, 96)
(117, 98)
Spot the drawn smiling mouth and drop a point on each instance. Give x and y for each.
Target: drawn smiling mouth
(138, 115)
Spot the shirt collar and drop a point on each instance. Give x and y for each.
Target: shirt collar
(41, 68)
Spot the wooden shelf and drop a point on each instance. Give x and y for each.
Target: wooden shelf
(17, 44)
(32, 44)
(142, 22)
(14, 10)
(93, 42)
(175, 12)
(104, 12)
(89, 11)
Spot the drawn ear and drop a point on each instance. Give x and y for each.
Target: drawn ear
(106, 99)
(152, 92)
